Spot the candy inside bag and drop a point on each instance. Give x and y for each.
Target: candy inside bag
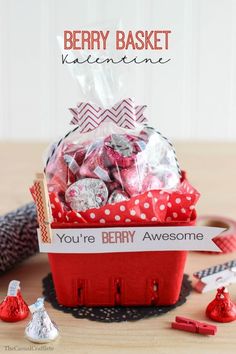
(110, 164)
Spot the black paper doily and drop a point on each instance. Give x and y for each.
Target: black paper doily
(113, 314)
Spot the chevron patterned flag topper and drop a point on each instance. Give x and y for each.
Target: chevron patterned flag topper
(124, 114)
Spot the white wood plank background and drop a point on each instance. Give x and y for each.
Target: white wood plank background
(191, 98)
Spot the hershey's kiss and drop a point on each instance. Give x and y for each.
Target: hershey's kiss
(41, 329)
(222, 308)
(13, 308)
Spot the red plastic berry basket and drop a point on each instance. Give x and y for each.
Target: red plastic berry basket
(109, 279)
(120, 278)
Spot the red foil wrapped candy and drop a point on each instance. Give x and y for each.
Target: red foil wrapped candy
(221, 309)
(121, 149)
(13, 308)
(95, 163)
(135, 180)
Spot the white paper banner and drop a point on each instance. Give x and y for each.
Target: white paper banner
(132, 239)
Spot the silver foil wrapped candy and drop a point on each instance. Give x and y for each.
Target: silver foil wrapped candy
(40, 329)
(86, 193)
(117, 196)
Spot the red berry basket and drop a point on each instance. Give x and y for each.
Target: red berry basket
(129, 278)
(120, 278)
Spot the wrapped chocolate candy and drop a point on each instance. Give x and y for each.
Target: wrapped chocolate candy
(13, 308)
(222, 308)
(72, 164)
(121, 149)
(41, 329)
(76, 151)
(111, 157)
(86, 193)
(136, 180)
(95, 163)
(64, 168)
(117, 196)
(130, 179)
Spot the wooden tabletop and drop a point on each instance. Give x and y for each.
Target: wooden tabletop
(211, 169)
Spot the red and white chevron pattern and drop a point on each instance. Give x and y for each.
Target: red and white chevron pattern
(124, 113)
(40, 212)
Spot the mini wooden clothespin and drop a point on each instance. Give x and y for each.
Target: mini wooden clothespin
(43, 208)
(189, 325)
(216, 276)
